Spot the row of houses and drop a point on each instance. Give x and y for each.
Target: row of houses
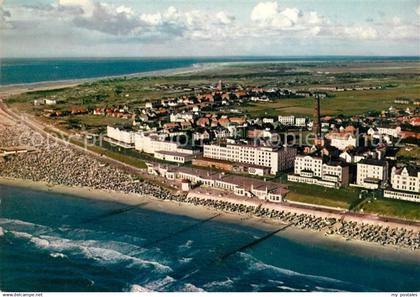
(238, 185)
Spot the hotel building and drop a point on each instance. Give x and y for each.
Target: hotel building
(372, 173)
(120, 137)
(162, 149)
(276, 159)
(313, 170)
(405, 183)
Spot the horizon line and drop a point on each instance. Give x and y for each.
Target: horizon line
(212, 56)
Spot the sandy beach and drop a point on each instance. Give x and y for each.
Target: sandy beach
(303, 236)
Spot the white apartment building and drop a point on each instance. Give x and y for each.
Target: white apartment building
(342, 140)
(287, 120)
(391, 131)
(313, 170)
(50, 102)
(268, 120)
(405, 183)
(175, 157)
(162, 149)
(150, 143)
(271, 157)
(120, 137)
(300, 122)
(351, 158)
(181, 117)
(372, 173)
(308, 166)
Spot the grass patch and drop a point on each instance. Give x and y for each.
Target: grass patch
(348, 102)
(409, 153)
(394, 208)
(317, 195)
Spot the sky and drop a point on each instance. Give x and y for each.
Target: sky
(151, 28)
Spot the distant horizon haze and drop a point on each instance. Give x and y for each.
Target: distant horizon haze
(63, 28)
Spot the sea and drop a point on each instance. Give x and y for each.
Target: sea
(56, 242)
(35, 70)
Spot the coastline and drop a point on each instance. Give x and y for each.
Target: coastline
(197, 211)
(302, 236)
(15, 89)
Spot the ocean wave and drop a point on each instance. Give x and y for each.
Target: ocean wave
(160, 284)
(191, 288)
(187, 245)
(138, 288)
(185, 260)
(289, 289)
(5, 221)
(102, 252)
(37, 241)
(58, 255)
(108, 256)
(256, 265)
(23, 226)
(322, 289)
(219, 285)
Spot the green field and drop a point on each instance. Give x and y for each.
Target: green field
(311, 194)
(347, 102)
(409, 152)
(394, 208)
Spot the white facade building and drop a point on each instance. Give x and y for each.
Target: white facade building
(300, 122)
(151, 143)
(313, 170)
(120, 137)
(351, 158)
(342, 140)
(372, 173)
(287, 120)
(277, 160)
(50, 102)
(391, 131)
(405, 183)
(163, 149)
(181, 117)
(175, 157)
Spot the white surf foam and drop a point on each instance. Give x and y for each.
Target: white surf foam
(102, 252)
(160, 284)
(58, 255)
(186, 245)
(220, 285)
(191, 288)
(108, 256)
(255, 264)
(185, 260)
(138, 288)
(289, 289)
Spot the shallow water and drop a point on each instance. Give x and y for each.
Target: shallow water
(55, 242)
